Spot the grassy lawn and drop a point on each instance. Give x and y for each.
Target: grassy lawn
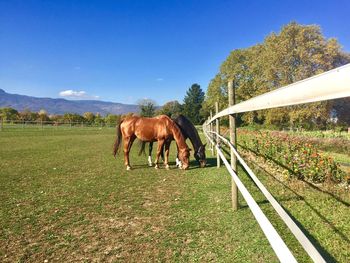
(64, 198)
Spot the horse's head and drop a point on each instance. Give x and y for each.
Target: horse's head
(184, 156)
(200, 156)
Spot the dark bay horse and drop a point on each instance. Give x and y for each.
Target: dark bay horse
(161, 129)
(188, 131)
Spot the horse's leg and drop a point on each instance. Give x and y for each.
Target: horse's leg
(162, 153)
(178, 162)
(177, 159)
(159, 149)
(167, 150)
(127, 146)
(150, 147)
(126, 152)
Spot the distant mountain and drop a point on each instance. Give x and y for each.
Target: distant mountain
(61, 106)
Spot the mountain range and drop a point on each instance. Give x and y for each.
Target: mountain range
(61, 106)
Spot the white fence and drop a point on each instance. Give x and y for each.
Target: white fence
(329, 85)
(37, 125)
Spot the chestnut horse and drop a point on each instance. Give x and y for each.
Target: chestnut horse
(188, 130)
(161, 129)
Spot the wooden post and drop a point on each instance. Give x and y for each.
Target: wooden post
(1, 123)
(211, 129)
(218, 132)
(208, 128)
(233, 140)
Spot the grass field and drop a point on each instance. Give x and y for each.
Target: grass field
(64, 198)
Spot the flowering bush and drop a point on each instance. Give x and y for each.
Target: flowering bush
(300, 158)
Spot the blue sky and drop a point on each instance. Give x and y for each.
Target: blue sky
(123, 51)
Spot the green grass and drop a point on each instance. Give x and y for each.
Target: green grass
(64, 198)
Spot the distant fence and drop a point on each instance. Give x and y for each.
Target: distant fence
(8, 125)
(329, 85)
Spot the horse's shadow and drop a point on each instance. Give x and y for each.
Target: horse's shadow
(211, 162)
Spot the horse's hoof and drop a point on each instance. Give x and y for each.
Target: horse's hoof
(156, 167)
(150, 164)
(167, 167)
(128, 168)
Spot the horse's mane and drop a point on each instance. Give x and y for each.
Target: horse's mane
(189, 131)
(178, 136)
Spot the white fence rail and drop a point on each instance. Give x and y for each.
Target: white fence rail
(22, 124)
(282, 251)
(300, 236)
(329, 85)
(332, 84)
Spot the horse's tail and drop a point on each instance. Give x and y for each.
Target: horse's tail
(142, 148)
(118, 139)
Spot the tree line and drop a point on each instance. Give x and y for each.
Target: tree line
(10, 114)
(147, 108)
(191, 107)
(295, 53)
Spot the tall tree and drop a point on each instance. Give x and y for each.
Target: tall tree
(193, 103)
(171, 109)
(43, 116)
(98, 119)
(147, 107)
(72, 118)
(112, 119)
(8, 113)
(27, 115)
(89, 116)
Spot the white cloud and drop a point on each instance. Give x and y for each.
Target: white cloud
(159, 79)
(72, 94)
